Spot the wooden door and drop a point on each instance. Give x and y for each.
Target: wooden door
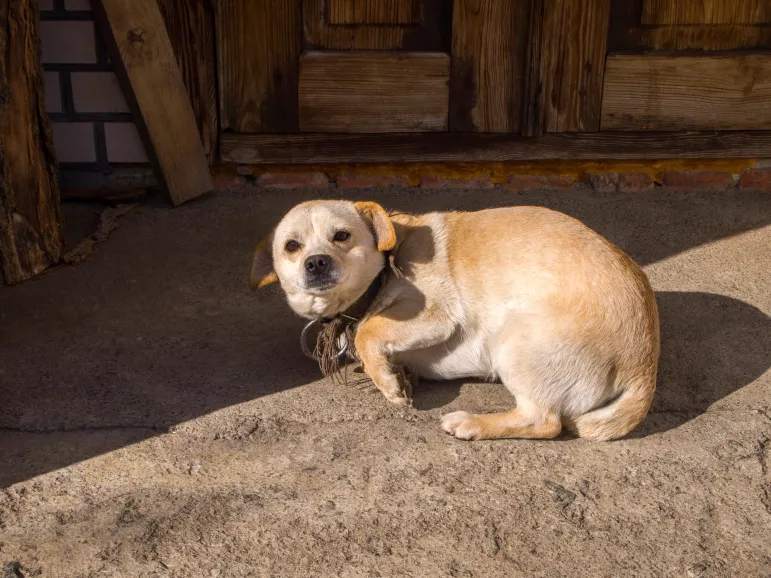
(333, 65)
(303, 80)
(374, 66)
(688, 65)
(396, 66)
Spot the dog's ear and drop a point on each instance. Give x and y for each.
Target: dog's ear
(381, 223)
(262, 272)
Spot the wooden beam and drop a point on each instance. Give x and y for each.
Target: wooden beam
(144, 60)
(648, 92)
(374, 92)
(456, 147)
(31, 233)
(489, 49)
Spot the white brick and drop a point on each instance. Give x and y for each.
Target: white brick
(123, 143)
(74, 142)
(77, 5)
(67, 41)
(53, 92)
(97, 92)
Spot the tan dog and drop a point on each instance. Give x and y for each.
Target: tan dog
(526, 295)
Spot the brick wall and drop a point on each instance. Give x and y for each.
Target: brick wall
(91, 123)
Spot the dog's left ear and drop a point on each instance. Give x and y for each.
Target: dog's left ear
(262, 272)
(381, 223)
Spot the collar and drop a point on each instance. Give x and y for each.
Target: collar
(336, 336)
(360, 307)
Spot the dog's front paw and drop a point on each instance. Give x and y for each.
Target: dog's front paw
(401, 392)
(399, 398)
(461, 425)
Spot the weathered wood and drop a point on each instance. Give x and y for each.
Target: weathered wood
(489, 53)
(532, 122)
(624, 17)
(144, 60)
(572, 63)
(258, 44)
(374, 11)
(31, 233)
(656, 93)
(627, 34)
(190, 25)
(372, 92)
(430, 34)
(456, 147)
(705, 38)
(657, 12)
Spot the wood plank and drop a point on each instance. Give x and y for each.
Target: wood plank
(627, 35)
(374, 92)
(373, 12)
(533, 114)
(144, 61)
(687, 92)
(478, 147)
(190, 25)
(431, 34)
(31, 231)
(488, 65)
(658, 12)
(705, 38)
(258, 44)
(572, 63)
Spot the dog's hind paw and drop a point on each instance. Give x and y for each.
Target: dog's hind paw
(461, 425)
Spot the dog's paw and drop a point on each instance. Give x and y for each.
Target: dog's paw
(399, 398)
(461, 425)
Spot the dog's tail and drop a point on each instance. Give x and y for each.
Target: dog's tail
(620, 416)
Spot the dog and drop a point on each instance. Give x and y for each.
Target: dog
(526, 295)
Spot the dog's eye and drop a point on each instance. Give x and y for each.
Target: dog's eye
(291, 246)
(341, 236)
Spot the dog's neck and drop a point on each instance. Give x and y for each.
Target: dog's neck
(361, 305)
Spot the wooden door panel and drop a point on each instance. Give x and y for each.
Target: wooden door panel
(430, 33)
(707, 25)
(258, 47)
(366, 92)
(489, 52)
(567, 63)
(342, 12)
(651, 93)
(663, 12)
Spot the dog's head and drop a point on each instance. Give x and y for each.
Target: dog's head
(325, 254)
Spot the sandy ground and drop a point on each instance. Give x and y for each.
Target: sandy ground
(158, 419)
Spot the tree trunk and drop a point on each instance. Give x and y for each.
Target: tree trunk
(31, 233)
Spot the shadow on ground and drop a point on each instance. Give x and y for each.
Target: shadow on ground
(159, 328)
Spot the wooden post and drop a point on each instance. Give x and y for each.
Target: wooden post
(144, 60)
(31, 233)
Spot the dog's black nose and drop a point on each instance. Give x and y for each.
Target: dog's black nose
(317, 264)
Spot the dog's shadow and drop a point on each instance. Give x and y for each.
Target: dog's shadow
(711, 346)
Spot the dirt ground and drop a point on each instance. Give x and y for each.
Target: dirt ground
(158, 419)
